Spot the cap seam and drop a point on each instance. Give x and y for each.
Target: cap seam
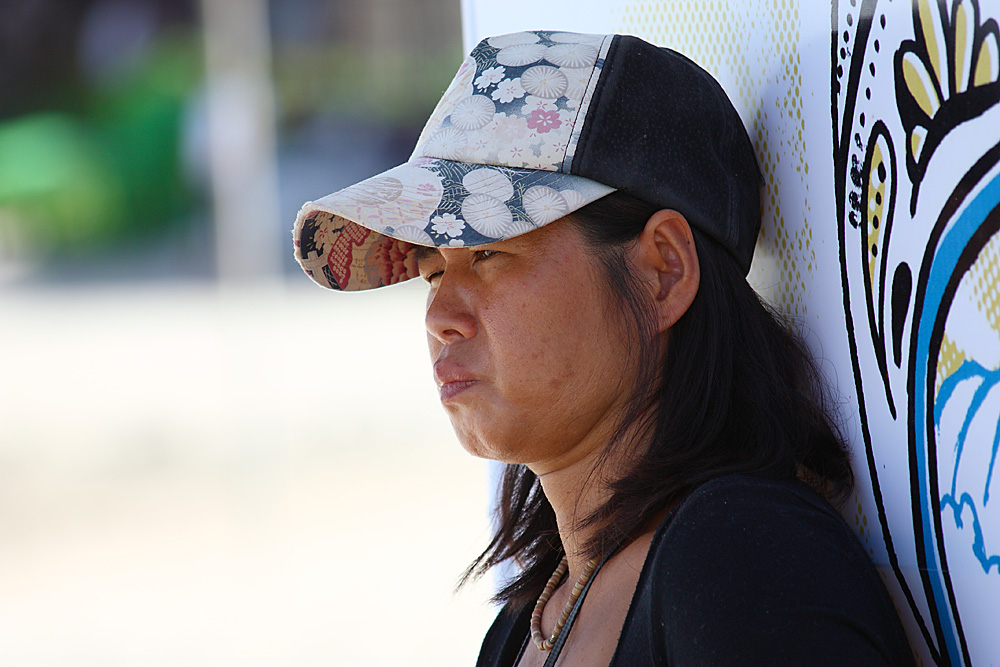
(586, 102)
(581, 142)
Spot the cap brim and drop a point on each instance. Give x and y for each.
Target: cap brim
(362, 237)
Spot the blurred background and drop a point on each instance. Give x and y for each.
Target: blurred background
(204, 458)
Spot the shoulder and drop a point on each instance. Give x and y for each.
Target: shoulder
(751, 567)
(752, 511)
(737, 537)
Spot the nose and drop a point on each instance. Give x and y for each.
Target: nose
(450, 316)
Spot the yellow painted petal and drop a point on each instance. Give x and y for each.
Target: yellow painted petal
(877, 189)
(918, 82)
(987, 62)
(930, 23)
(965, 30)
(917, 141)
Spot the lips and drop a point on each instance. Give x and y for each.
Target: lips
(452, 379)
(450, 390)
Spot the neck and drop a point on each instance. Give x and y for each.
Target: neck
(574, 493)
(576, 488)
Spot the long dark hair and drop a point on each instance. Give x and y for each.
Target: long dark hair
(736, 392)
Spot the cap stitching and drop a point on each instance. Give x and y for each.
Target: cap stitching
(590, 91)
(585, 130)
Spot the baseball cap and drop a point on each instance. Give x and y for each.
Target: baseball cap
(534, 126)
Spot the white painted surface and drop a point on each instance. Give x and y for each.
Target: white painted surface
(778, 61)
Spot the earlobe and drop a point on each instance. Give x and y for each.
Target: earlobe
(669, 261)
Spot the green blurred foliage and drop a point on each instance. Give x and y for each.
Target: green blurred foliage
(57, 184)
(108, 170)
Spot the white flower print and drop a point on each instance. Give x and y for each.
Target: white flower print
(446, 144)
(413, 234)
(448, 224)
(456, 243)
(577, 79)
(521, 54)
(379, 218)
(420, 194)
(518, 227)
(429, 191)
(545, 81)
(514, 155)
(375, 191)
(502, 41)
(461, 87)
(552, 153)
(543, 204)
(509, 130)
(473, 112)
(508, 90)
(532, 103)
(534, 162)
(481, 148)
(490, 182)
(489, 77)
(573, 199)
(486, 215)
(572, 55)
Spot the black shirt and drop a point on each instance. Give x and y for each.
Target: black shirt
(746, 571)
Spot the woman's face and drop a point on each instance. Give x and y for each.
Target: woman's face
(530, 360)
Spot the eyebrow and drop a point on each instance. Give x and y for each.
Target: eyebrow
(425, 252)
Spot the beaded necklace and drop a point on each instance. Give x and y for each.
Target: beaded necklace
(550, 587)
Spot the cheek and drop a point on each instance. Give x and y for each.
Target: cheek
(521, 334)
(550, 346)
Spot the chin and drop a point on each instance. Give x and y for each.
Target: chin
(480, 449)
(493, 449)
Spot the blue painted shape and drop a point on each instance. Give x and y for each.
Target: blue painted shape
(969, 370)
(943, 265)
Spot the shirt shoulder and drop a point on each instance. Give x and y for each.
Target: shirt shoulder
(749, 569)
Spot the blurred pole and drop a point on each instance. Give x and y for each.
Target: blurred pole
(241, 126)
(469, 25)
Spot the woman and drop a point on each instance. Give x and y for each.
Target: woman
(584, 209)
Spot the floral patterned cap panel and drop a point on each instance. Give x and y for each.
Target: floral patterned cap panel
(518, 100)
(484, 170)
(361, 237)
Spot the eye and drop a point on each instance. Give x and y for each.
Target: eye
(429, 276)
(486, 254)
(430, 264)
(429, 270)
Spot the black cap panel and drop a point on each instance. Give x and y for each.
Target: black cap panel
(662, 129)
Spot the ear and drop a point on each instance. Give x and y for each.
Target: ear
(668, 261)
